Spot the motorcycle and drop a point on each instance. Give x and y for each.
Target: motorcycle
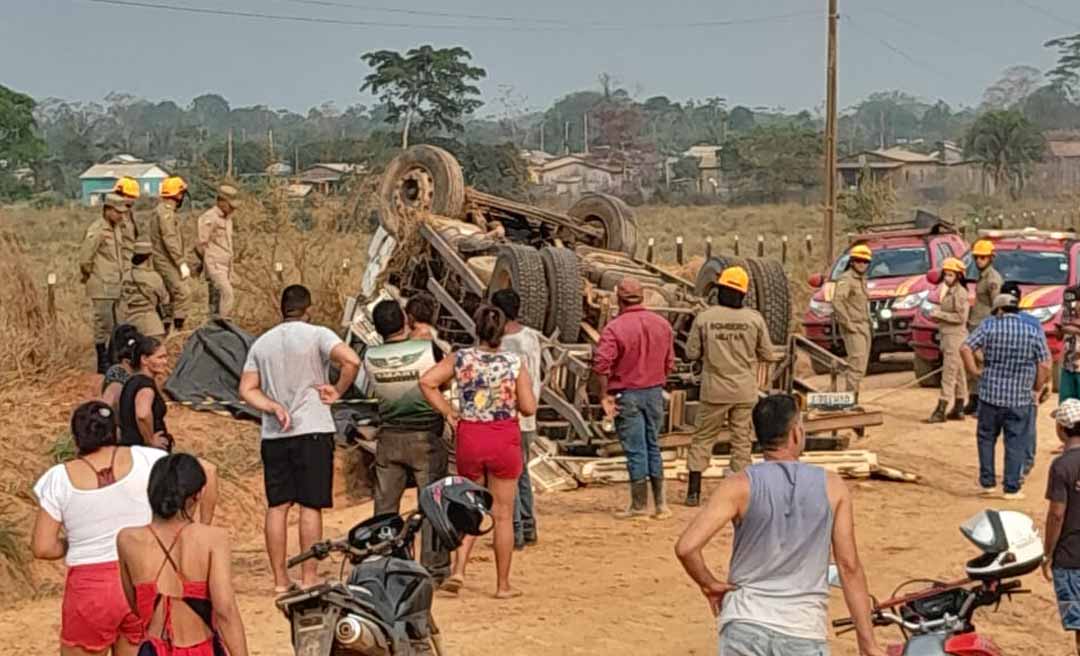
(383, 608)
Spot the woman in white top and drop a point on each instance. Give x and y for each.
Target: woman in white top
(90, 499)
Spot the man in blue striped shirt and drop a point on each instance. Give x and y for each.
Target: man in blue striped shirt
(1016, 365)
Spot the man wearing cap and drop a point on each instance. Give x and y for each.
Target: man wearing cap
(128, 188)
(1016, 366)
(731, 341)
(215, 248)
(986, 290)
(1062, 541)
(631, 363)
(168, 245)
(103, 265)
(851, 307)
(143, 294)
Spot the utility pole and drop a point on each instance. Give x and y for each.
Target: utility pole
(586, 133)
(270, 139)
(229, 161)
(566, 136)
(830, 137)
(541, 136)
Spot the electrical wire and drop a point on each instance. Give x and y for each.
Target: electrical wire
(1046, 12)
(898, 51)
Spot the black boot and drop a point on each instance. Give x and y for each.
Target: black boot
(957, 412)
(939, 413)
(973, 405)
(639, 500)
(660, 507)
(693, 490)
(102, 358)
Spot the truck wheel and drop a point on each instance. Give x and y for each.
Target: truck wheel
(422, 179)
(564, 307)
(613, 216)
(773, 297)
(924, 367)
(521, 268)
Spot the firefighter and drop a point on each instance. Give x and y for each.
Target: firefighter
(215, 249)
(143, 294)
(169, 256)
(102, 267)
(128, 188)
(731, 341)
(851, 307)
(952, 317)
(986, 289)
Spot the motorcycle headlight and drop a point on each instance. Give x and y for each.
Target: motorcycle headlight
(821, 308)
(1044, 314)
(910, 301)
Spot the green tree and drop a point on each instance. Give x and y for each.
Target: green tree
(1049, 108)
(770, 160)
(1007, 144)
(1066, 75)
(741, 119)
(495, 169)
(19, 140)
(426, 88)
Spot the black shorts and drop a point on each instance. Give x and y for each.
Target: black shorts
(299, 470)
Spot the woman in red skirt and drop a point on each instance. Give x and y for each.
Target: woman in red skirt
(493, 390)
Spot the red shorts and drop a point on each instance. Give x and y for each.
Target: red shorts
(491, 448)
(95, 612)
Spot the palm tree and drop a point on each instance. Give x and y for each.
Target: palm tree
(1006, 143)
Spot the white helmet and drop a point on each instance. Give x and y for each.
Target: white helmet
(1010, 544)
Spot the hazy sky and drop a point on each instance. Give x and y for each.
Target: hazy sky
(950, 49)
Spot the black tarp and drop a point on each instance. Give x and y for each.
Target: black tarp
(207, 374)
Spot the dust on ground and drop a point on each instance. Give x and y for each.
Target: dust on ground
(595, 585)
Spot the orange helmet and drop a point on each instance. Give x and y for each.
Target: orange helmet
(173, 187)
(127, 187)
(861, 252)
(983, 248)
(954, 265)
(736, 278)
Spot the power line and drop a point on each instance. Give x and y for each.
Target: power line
(898, 51)
(1046, 12)
(568, 27)
(437, 14)
(922, 29)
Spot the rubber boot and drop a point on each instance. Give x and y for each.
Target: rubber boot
(693, 490)
(939, 413)
(973, 405)
(639, 501)
(102, 358)
(660, 507)
(957, 412)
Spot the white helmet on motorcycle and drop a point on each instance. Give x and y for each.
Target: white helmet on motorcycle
(1010, 544)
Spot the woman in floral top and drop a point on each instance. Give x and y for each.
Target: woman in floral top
(493, 390)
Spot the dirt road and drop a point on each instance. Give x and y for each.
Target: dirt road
(597, 586)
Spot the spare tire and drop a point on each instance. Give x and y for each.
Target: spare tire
(521, 268)
(422, 179)
(773, 297)
(613, 216)
(565, 308)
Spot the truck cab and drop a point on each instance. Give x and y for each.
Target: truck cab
(896, 282)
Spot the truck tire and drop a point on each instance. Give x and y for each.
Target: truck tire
(773, 297)
(924, 367)
(424, 179)
(612, 215)
(565, 296)
(521, 268)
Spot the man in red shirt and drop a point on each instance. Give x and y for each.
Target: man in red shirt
(631, 364)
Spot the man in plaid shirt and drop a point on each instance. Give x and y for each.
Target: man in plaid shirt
(1016, 365)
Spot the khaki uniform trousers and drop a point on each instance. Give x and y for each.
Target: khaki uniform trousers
(954, 380)
(711, 420)
(104, 310)
(220, 276)
(857, 345)
(179, 292)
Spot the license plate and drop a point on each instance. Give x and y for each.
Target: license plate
(830, 400)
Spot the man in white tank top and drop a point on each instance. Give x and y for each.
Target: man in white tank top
(773, 604)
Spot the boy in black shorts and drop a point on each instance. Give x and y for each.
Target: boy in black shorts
(1062, 563)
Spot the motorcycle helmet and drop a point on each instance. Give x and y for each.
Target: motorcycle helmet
(456, 507)
(1010, 544)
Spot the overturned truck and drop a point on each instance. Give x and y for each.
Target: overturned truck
(462, 245)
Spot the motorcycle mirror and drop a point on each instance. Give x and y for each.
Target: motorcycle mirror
(934, 277)
(816, 281)
(834, 576)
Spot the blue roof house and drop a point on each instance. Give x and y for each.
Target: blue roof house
(99, 179)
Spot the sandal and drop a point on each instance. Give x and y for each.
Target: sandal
(453, 584)
(514, 593)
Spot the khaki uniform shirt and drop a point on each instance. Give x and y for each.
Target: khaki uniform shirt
(851, 303)
(730, 343)
(165, 236)
(103, 259)
(952, 314)
(216, 237)
(143, 292)
(988, 287)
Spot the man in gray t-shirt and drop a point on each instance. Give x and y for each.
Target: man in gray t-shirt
(286, 378)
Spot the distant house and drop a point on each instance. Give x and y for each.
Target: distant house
(328, 177)
(279, 170)
(933, 176)
(573, 174)
(99, 179)
(710, 178)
